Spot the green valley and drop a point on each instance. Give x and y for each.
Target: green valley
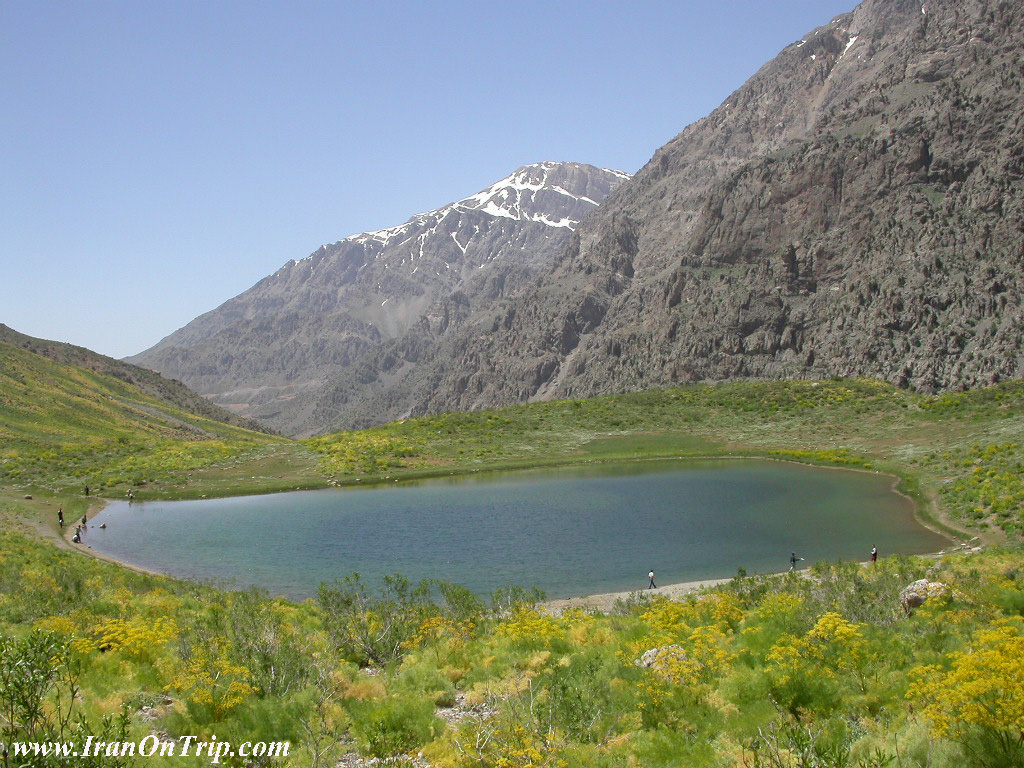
(836, 667)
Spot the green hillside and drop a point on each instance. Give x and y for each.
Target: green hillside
(153, 384)
(70, 419)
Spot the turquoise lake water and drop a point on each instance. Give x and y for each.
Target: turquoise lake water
(569, 531)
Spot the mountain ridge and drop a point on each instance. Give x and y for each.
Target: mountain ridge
(854, 209)
(315, 317)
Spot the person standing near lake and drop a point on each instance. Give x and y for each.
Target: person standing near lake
(793, 560)
(874, 554)
(652, 585)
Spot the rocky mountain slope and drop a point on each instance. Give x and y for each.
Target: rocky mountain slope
(266, 352)
(855, 209)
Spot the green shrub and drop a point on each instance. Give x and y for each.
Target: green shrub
(40, 702)
(394, 726)
(581, 700)
(423, 678)
(266, 643)
(371, 630)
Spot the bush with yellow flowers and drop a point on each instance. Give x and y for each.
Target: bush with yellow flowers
(977, 696)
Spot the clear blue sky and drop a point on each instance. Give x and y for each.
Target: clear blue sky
(158, 157)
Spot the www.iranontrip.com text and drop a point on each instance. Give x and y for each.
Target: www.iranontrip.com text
(149, 746)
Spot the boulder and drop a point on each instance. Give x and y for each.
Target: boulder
(656, 658)
(914, 595)
(668, 663)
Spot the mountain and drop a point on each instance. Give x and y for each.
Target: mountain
(855, 209)
(266, 352)
(89, 378)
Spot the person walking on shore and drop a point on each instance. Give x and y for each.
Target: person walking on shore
(652, 585)
(793, 560)
(60, 516)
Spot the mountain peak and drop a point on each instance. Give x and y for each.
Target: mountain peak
(556, 194)
(526, 194)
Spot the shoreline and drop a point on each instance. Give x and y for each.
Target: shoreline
(65, 542)
(605, 601)
(958, 540)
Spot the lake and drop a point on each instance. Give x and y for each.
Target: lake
(569, 531)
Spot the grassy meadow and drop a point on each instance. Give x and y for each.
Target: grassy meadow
(825, 669)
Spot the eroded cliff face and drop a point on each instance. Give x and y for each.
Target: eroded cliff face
(855, 209)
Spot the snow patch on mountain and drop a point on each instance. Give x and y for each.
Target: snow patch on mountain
(518, 197)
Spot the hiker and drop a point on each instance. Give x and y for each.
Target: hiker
(874, 554)
(793, 560)
(87, 490)
(60, 516)
(652, 585)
